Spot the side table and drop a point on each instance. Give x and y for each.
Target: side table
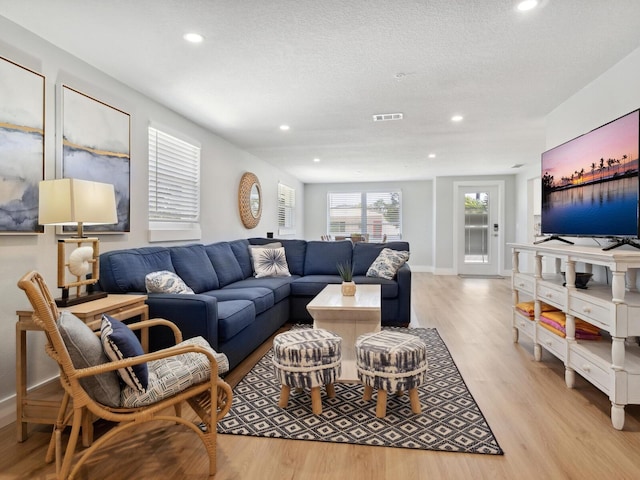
(121, 307)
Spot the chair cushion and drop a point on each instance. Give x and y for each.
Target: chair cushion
(165, 281)
(85, 350)
(172, 375)
(387, 263)
(120, 342)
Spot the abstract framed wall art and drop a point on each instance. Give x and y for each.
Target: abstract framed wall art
(96, 146)
(21, 147)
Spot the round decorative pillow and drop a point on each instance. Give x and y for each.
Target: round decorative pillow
(80, 261)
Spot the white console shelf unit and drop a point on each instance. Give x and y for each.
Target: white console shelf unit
(611, 364)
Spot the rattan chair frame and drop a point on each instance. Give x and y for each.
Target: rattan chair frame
(200, 397)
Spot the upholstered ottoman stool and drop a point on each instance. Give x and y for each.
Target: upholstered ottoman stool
(307, 358)
(390, 361)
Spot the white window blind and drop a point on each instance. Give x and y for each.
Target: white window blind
(174, 178)
(286, 210)
(174, 185)
(378, 215)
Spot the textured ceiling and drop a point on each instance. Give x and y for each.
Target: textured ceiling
(324, 67)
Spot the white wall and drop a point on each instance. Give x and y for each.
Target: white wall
(611, 95)
(417, 214)
(222, 166)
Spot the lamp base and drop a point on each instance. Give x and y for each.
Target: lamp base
(70, 300)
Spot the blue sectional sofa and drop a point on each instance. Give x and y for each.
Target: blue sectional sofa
(232, 309)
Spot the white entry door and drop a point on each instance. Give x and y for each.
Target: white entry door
(478, 229)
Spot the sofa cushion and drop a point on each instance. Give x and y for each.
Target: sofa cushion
(262, 298)
(280, 286)
(240, 249)
(311, 285)
(85, 350)
(165, 281)
(124, 271)
(322, 258)
(295, 251)
(388, 288)
(224, 263)
(234, 316)
(364, 254)
(192, 264)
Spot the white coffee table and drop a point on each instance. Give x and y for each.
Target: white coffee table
(348, 317)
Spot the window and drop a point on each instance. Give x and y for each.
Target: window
(174, 187)
(286, 210)
(376, 214)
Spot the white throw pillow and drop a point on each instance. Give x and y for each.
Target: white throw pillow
(270, 262)
(388, 263)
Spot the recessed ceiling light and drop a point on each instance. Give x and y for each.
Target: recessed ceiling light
(316, 160)
(284, 127)
(193, 37)
(457, 118)
(527, 5)
(432, 155)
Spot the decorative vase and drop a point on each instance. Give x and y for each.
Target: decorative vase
(348, 289)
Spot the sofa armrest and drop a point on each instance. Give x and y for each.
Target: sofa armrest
(195, 315)
(404, 293)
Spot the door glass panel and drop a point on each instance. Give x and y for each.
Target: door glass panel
(476, 227)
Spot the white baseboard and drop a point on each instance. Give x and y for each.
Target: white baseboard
(444, 271)
(7, 411)
(421, 268)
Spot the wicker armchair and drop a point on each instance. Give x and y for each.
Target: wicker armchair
(200, 396)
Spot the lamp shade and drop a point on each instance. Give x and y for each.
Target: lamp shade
(69, 201)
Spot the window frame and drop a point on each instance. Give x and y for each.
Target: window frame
(180, 154)
(286, 209)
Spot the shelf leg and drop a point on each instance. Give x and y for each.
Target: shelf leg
(516, 335)
(537, 352)
(617, 416)
(569, 377)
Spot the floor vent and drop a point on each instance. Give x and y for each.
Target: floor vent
(385, 117)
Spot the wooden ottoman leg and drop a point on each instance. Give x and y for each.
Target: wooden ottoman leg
(368, 391)
(284, 396)
(399, 393)
(415, 401)
(331, 391)
(316, 401)
(381, 406)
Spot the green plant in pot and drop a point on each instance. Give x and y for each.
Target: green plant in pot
(345, 270)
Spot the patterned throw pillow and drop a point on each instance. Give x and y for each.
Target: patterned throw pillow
(388, 263)
(120, 342)
(172, 375)
(270, 262)
(165, 281)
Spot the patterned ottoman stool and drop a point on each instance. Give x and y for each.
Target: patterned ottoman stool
(390, 361)
(307, 358)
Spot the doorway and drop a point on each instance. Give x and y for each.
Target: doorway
(478, 228)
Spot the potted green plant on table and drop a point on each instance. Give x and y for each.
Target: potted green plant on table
(346, 273)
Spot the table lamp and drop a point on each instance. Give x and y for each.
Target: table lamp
(69, 201)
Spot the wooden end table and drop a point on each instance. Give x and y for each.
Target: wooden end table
(121, 307)
(348, 317)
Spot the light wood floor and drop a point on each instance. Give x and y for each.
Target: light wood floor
(546, 430)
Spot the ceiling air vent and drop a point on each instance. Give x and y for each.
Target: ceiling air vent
(385, 117)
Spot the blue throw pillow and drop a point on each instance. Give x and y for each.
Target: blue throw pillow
(120, 342)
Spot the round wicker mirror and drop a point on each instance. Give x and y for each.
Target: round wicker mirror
(250, 200)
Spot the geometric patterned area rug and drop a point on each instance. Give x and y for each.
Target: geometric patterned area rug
(450, 420)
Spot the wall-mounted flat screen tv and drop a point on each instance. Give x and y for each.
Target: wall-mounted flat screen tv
(590, 184)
